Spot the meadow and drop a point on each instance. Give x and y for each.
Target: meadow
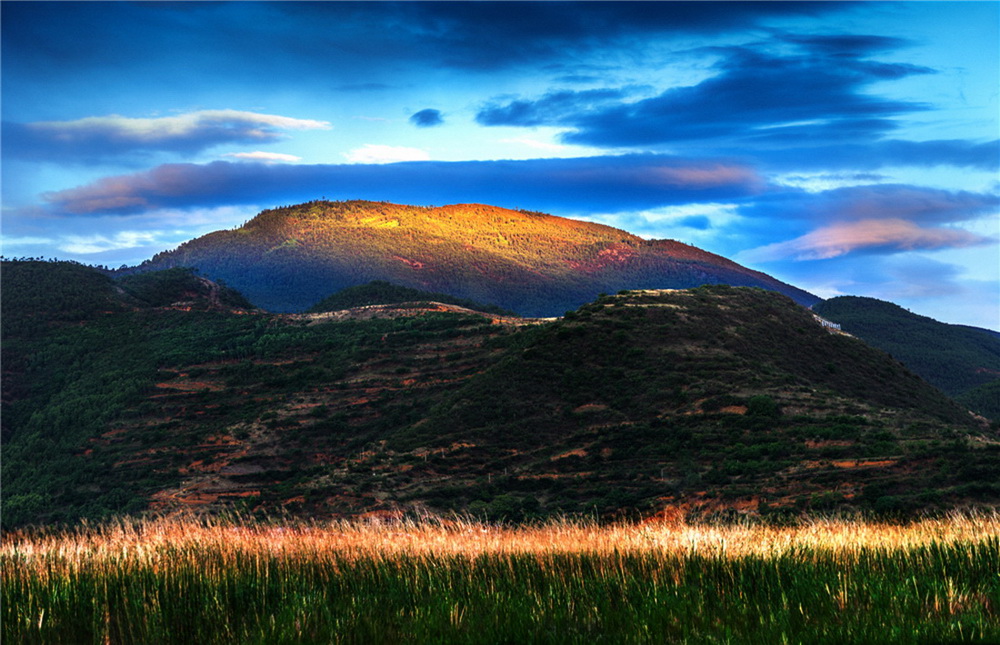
(197, 580)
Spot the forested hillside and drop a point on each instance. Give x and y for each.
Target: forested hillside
(709, 400)
(956, 358)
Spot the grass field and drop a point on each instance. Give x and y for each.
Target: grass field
(436, 581)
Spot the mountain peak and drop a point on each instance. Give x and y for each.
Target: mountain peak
(288, 258)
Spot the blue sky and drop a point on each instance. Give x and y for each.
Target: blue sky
(846, 148)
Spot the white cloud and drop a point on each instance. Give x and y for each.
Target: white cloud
(258, 155)
(372, 153)
(87, 244)
(540, 145)
(818, 182)
(180, 126)
(101, 137)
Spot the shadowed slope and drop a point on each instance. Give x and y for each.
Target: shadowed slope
(955, 358)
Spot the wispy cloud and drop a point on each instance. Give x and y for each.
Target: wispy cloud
(258, 155)
(372, 153)
(99, 138)
(88, 244)
(881, 236)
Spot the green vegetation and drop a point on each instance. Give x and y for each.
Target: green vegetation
(955, 358)
(984, 399)
(379, 292)
(37, 294)
(164, 288)
(714, 400)
(719, 389)
(261, 587)
(286, 259)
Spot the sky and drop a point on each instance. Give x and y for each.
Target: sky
(846, 148)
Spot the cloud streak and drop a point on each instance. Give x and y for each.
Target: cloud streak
(588, 184)
(98, 138)
(879, 201)
(874, 236)
(259, 155)
(372, 153)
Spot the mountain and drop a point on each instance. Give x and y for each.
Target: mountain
(956, 358)
(286, 259)
(710, 400)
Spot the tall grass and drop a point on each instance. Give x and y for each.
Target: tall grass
(203, 581)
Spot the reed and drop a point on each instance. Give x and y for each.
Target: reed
(190, 579)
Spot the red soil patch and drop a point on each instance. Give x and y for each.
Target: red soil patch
(578, 452)
(854, 463)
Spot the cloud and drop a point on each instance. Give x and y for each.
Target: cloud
(873, 155)
(92, 139)
(847, 46)
(756, 96)
(878, 236)
(88, 244)
(880, 201)
(372, 153)
(540, 145)
(427, 118)
(942, 290)
(821, 182)
(358, 45)
(554, 108)
(258, 155)
(583, 184)
(698, 222)
(478, 35)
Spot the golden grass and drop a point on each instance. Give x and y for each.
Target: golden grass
(140, 541)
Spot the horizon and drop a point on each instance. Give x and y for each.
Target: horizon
(843, 148)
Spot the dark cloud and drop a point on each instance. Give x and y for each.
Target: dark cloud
(490, 35)
(94, 139)
(755, 96)
(427, 118)
(845, 45)
(594, 184)
(333, 44)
